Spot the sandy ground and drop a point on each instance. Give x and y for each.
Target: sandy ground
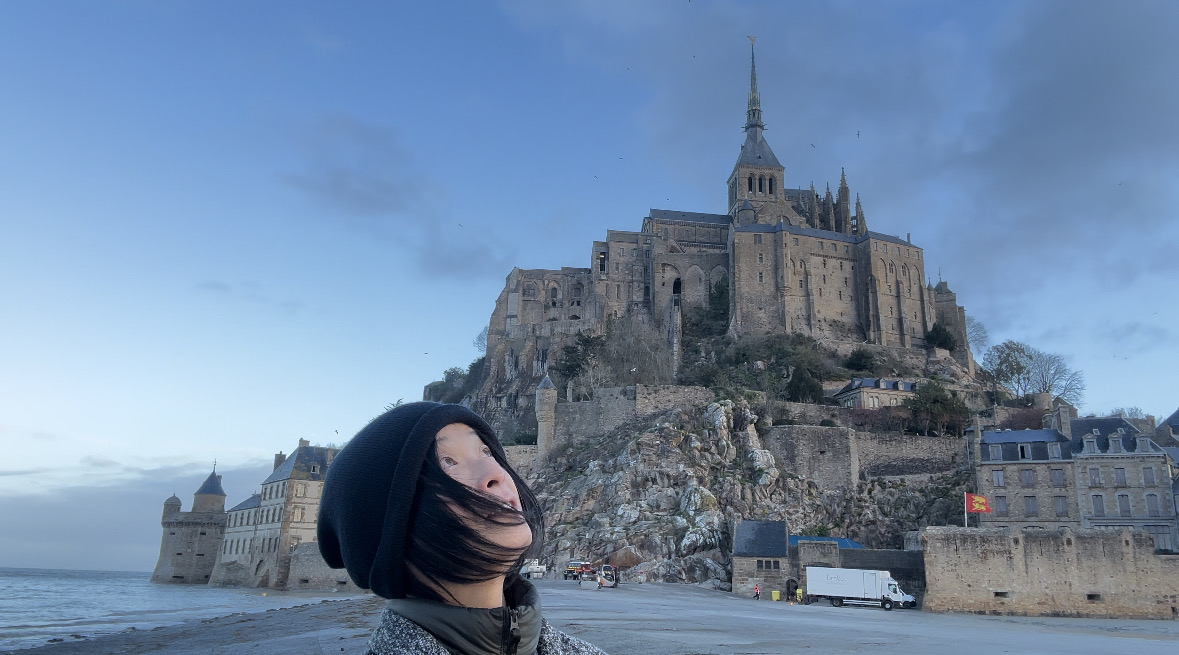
(655, 619)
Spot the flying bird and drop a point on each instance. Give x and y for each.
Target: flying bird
(812, 145)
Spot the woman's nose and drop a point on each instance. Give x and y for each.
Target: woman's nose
(493, 477)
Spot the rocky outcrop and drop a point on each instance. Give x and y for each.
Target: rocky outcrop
(661, 498)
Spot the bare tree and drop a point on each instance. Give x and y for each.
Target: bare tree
(1128, 412)
(1025, 370)
(480, 341)
(977, 335)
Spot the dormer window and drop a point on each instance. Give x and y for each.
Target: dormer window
(1025, 451)
(315, 468)
(1053, 451)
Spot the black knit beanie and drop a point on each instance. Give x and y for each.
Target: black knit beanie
(369, 489)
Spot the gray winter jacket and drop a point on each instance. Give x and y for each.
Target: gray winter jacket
(397, 635)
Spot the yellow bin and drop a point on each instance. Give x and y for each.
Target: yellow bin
(775, 595)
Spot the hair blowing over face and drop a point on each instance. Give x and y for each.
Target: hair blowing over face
(386, 502)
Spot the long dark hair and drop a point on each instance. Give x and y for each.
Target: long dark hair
(445, 541)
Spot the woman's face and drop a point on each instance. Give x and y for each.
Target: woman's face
(464, 457)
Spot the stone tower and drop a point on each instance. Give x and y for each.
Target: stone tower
(191, 540)
(546, 409)
(757, 177)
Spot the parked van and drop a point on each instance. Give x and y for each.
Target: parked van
(856, 586)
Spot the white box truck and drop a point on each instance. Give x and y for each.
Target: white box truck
(855, 586)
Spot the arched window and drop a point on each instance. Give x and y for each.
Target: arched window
(761, 184)
(751, 184)
(553, 293)
(772, 185)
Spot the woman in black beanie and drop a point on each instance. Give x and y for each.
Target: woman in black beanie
(423, 508)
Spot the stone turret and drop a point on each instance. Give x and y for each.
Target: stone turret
(842, 205)
(210, 497)
(192, 540)
(171, 507)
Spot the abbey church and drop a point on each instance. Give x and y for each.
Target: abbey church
(793, 260)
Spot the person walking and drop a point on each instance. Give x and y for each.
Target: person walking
(756, 592)
(422, 507)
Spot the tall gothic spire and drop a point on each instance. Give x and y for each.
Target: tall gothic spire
(753, 113)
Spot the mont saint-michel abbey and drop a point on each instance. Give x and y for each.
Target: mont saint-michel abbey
(794, 260)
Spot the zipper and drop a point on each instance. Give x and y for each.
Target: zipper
(512, 628)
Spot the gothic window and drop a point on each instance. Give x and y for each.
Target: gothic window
(892, 269)
(772, 186)
(751, 184)
(761, 184)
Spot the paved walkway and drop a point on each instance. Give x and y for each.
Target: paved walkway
(656, 619)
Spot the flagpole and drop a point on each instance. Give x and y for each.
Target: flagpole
(965, 507)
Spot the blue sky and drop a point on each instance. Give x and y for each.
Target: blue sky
(228, 227)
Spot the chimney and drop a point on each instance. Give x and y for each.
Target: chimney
(279, 458)
(303, 443)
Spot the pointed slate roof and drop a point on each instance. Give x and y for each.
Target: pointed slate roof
(211, 486)
(756, 152)
(546, 383)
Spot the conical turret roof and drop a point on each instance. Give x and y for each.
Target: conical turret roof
(211, 486)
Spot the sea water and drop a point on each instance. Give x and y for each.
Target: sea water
(37, 605)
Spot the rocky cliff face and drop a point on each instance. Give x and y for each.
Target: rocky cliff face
(660, 497)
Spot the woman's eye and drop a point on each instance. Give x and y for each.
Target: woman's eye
(447, 461)
(487, 451)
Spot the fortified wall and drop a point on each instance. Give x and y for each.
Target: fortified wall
(837, 458)
(1082, 573)
(611, 407)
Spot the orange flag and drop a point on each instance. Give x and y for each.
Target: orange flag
(976, 504)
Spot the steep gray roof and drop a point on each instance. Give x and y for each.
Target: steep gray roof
(1010, 440)
(761, 539)
(211, 486)
(1024, 436)
(253, 501)
(299, 465)
(546, 383)
(1106, 426)
(690, 217)
(756, 152)
(872, 383)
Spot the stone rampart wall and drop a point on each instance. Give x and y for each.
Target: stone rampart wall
(1089, 573)
(309, 571)
(657, 399)
(609, 409)
(907, 454)
(825, 455)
